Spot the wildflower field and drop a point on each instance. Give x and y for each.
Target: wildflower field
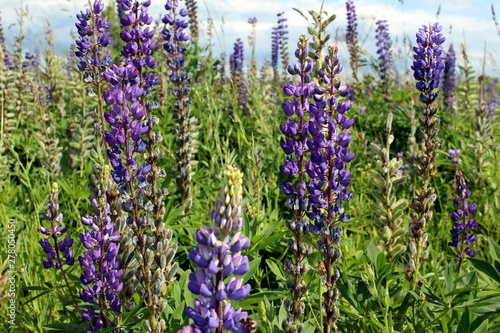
(151, 185)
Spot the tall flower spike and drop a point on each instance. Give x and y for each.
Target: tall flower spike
(330, 177)
(102, 270)
(93, 54)
(131, 134)
(295, 146)
(217, 256)
(462, 234)
(384, 52)
(449, 81)
(236, 60)
(351, 37)
(427, 66)
(58, 251)
(175, 38)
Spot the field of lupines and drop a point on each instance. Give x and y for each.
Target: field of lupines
(149, 185)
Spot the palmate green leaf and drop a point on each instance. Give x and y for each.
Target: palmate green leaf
(494, 249)
(464, 324)
(483, 328)
(485, 268)
(275, 269)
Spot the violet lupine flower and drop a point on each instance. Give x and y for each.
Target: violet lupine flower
(56, 249)
(236, 67)
(428, 61)
(218, 255)
(330, 177)
(175, 38)
(102, 270)
(10, 63)
(275, 47)
(428, 67)
(351, 36)
(295, 146)
(463, 236)
(93, 40)
(492, 103)
(454, 156)
(449, 80)
(384, 49)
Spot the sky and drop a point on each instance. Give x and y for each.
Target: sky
(464, 22)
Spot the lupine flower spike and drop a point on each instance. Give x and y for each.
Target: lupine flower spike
(462, 232)
(175, 38)
(102, 270)
(384, 53)
(449, 81)
(92, 53)
(330, 177)
(295, 146)
(351, 37)
(218, 257)
(58, 251)
(427, 66)
(130, 136)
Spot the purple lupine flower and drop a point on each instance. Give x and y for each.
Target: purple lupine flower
(384, 49)
(102, 270)
(93, 39)
(279, 44)
(120, 10)
(56, 249)
(129, 85)
(330, 177)
(275, 46)
(296, 148)
(449, 80)
(175, 39)
(492, 103)
(463, 236)
(236, 58)
(236, 68)
(427, 66)
(428, 63)
(351, 36)
(283, 39)
(454, 156)
(10, 63)
(218, 255)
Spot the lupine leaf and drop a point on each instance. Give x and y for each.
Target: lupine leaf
(485, 268)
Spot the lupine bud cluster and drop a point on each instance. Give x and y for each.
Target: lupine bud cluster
(351, 36)
(175, 38)
(194, 29)
(449, 80)
(316, 146)
(102, 270)
(56, 249)
(387, 208)
(427, 66)
(217, 256)
(463, 236)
